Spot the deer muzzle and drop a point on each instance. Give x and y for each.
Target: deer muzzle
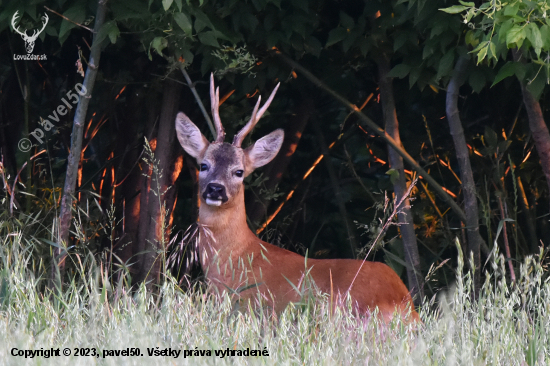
(214, 194)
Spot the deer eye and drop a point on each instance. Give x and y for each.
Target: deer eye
(239, 173)
(203, 167)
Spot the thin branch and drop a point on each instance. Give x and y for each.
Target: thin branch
(396, 207)
(505, 235)
(73, 159)
(191, 86)
(336, 189)
(340, 139)
(379, 131)
(69, 20)
(13, 189)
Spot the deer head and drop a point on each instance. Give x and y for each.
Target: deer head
(223, 166)
(29, 40)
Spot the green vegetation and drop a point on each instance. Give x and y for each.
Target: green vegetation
(374, 95)
(507, 326)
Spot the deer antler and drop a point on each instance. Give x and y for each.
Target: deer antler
(256, 115)
(13, 20)
(36, 33)
(215, 105)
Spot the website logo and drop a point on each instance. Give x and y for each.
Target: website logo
(29, 40)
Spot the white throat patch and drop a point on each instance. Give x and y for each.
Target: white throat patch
(211, 202)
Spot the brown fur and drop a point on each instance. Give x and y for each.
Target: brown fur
(234, 258)
(257, 262)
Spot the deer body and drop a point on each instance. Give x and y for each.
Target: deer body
(233, 257)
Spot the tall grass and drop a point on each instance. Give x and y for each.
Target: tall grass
(505, 326)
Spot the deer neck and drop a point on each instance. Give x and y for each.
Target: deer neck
(227, 224)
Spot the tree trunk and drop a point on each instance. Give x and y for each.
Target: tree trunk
(537, 125)
(337, 192)
(369, 123)
(257, 211)
(129, 175)
(404, 216)
(73, 161)
(158, 194)
(475, 241)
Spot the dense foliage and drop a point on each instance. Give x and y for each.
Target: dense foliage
(148, 46)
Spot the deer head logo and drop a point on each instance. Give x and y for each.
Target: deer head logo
(29, 40)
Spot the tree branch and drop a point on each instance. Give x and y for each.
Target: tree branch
(65, 217)
(380, 132)
(191, 86)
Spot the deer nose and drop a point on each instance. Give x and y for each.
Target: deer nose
(215, 194)
(215, 188)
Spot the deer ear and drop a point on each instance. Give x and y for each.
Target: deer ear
(263, 150)
(190, 137)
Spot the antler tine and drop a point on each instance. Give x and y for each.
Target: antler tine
(13, 20)
(239, 137)
(45, 18)
(37, 32)
(256, 115)
(215, 105)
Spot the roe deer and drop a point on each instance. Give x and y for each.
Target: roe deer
(233, 257)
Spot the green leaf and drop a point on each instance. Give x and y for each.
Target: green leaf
(394, 175)
(414, 76)
(511, 10)
(313, 46)
(446, 64)
(158, 44)
(400, 71)
(128, 10)
(503, 146)
(203, 20)
(251, 22)
(273, 38)
(209, 39)
(56, 245)
(455, 9)
(400, 39)
(364, 45)
(534, 36)
(187, 56)
(493, 52)
(76, 13)
(471, 39)
(335, 36)
(269, 21)
(166, 4)
(520, 71)
(349, 40)
(470, 14)
(114, 32)
(504, 28)
(505, 71)
(109, 29)
(490, 137)
(298, 27)
(184, 23)
(479, 47)
(346, 20)
(477, 80)
(545, 35)
(482, 52)
(536, 86)
(515, 37)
